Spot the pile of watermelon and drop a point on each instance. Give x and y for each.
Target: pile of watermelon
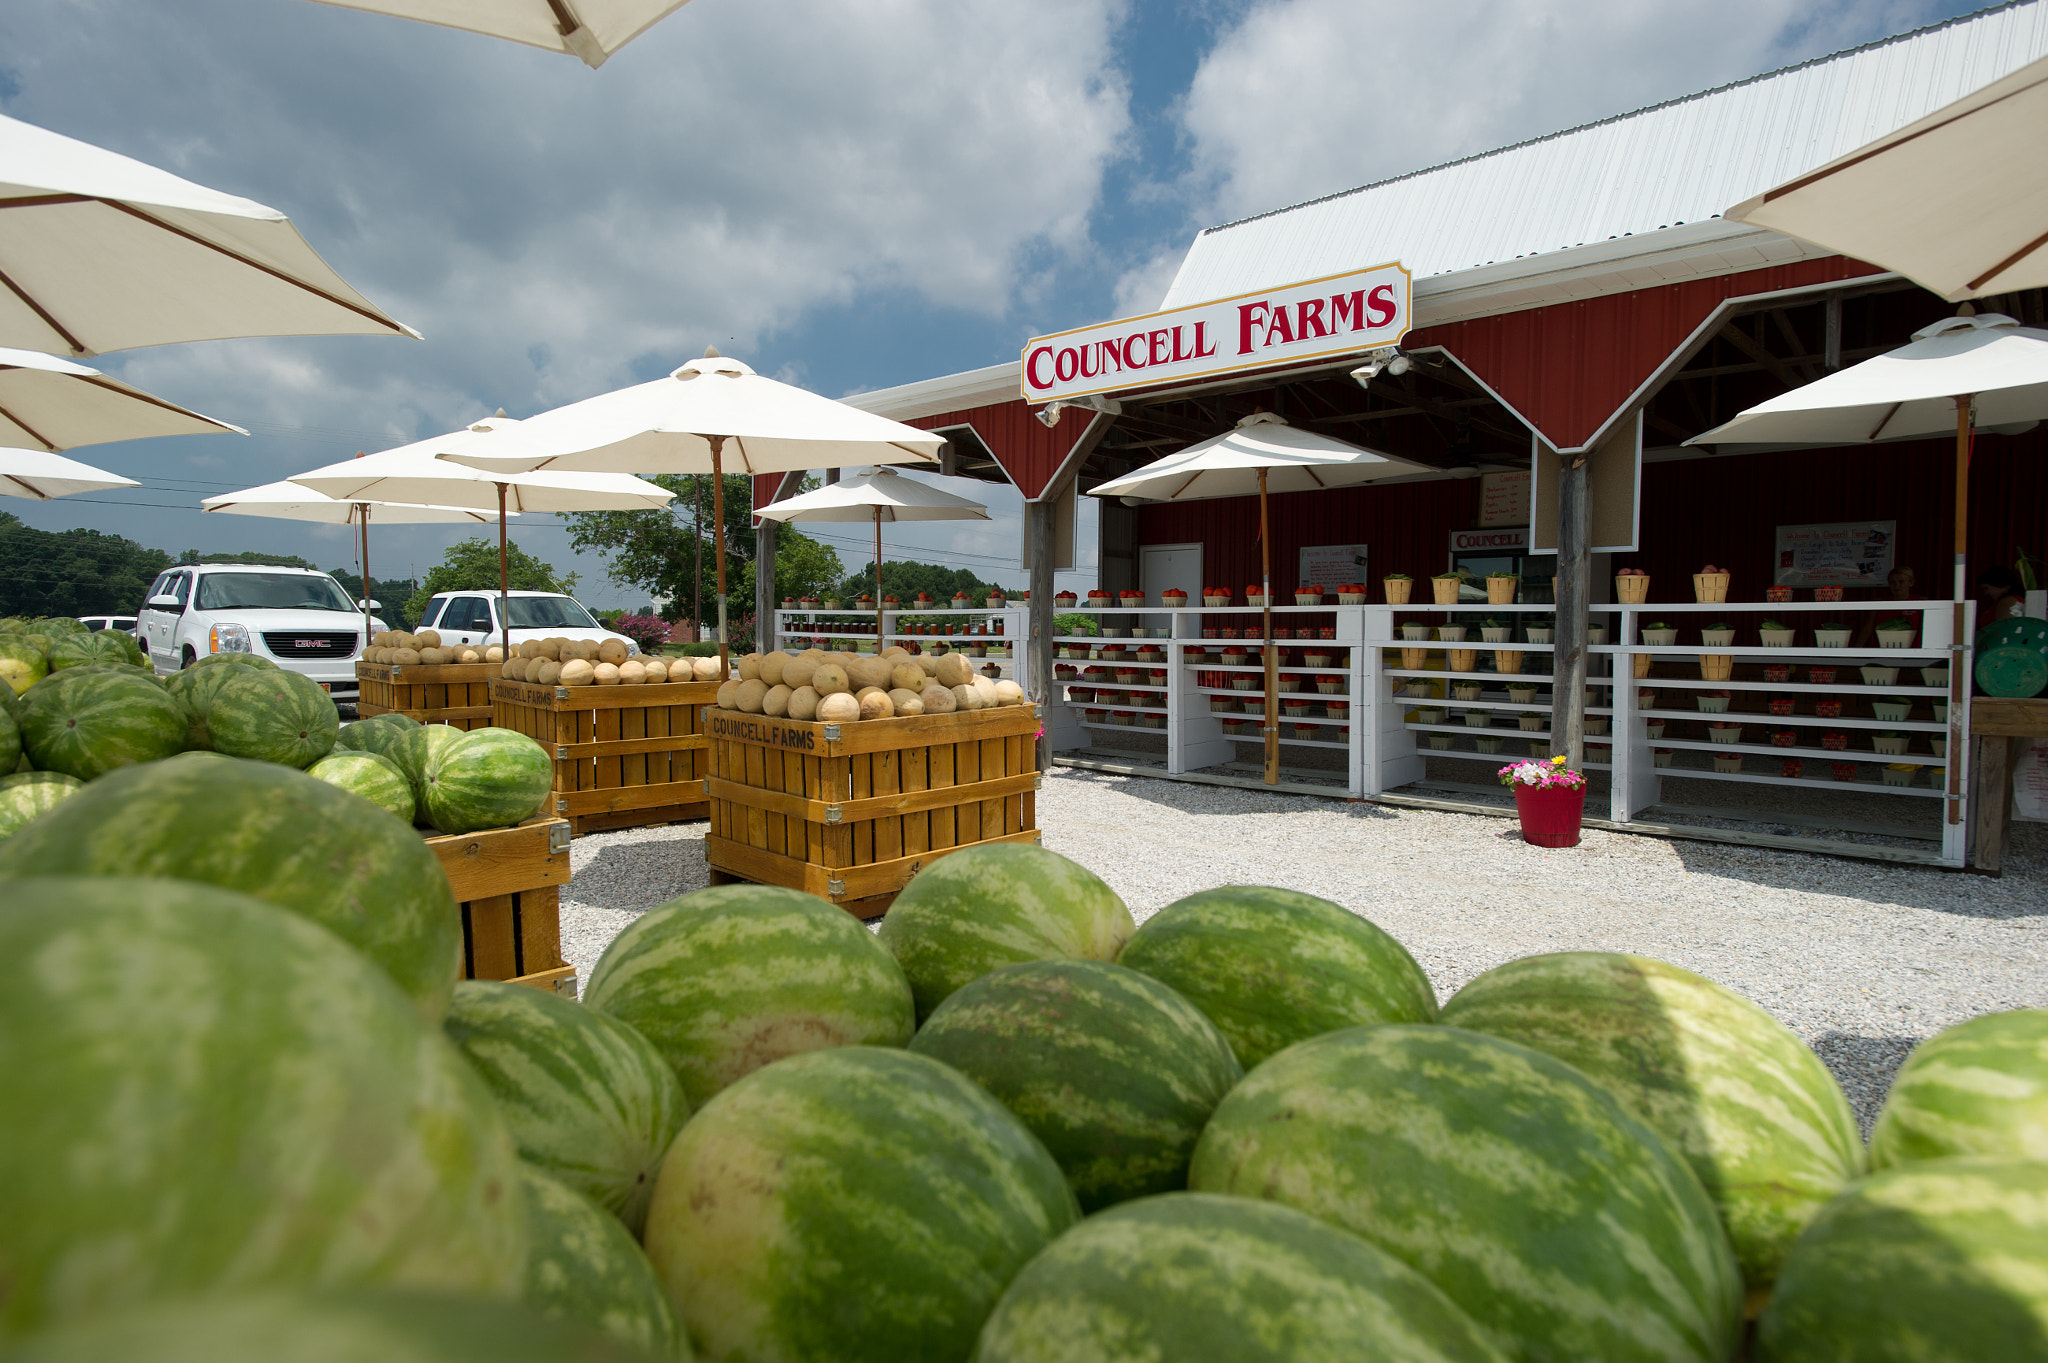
(77, 706)
(1009, 1125)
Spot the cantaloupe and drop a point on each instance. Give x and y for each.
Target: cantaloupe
(839, 708)
(803, 703)
(576, 672)
(906, 701)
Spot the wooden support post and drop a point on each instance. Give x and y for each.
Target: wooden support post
(1991, 775)
(765, 599)
(1574, 584)
(1038, 524)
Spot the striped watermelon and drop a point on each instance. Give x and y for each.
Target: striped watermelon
(486, 778)
(373, 778)
(727, 979)
(375, 733)
(272, 833)
(22, 663)
(81, 650)
(588, 1099)
(852, 1204)
(31, 793)
(1936, 1261)
(585, 1268)
(85, 722)
(206, 1093)
(1978, 1088)
(1567, 1229)
(414, 750)
(10, 741)
(392, 1327)
(1115, 1072)
(999, 904)
(255, 660)
(194, 688)
(273, 717)
(1191, 1276)
(1272, 967)
(1754, 1112)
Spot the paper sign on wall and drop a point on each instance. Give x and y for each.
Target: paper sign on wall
(1328, 565)
(2030, 781)
(1845, 554)
(1504, 498)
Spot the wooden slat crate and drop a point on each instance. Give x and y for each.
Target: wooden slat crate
(850, 812)
(509, 883)
(625, 756)
(432, 693)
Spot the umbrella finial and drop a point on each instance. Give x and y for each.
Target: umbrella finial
(499, 413)
(711, 352)
(1967, 310)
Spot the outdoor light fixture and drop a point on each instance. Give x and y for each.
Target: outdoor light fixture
(1050, 414)
(1388, 359)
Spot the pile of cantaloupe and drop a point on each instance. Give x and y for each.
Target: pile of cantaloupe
(397, 647)
(840, 687)
(588, 662)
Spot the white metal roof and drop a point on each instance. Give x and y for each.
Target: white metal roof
(1578, 203)
(948, 393)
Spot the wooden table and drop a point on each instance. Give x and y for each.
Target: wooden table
(1996, 725)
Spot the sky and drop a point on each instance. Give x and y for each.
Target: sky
(846, 194)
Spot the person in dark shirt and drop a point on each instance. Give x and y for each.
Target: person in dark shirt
(2000, 595)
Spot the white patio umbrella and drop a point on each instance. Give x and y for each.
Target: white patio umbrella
(876, 494)
(41, 475)
(682, 424)
(288, 501)
(1956, 202)
(412, 473)
(55, 404)
(590, 29)
(100, 252)
(1960, 374)
(1263, 454)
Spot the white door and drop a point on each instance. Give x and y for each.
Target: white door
(1161, 566)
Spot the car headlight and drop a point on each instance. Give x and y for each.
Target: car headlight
(228, 639)
(632, 649)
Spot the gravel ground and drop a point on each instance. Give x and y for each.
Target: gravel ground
(1862, 960)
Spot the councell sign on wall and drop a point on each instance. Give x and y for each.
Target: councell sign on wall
(1318, 318)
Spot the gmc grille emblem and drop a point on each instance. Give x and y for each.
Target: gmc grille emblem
(309, 643)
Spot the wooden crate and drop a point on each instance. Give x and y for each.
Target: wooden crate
(625, 756)
(850, 812)
(509, 884)
(432, 693)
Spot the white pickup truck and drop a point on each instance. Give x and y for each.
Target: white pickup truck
(471, 617)
(300, 619)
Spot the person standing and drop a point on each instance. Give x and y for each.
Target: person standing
(1901, 584)
(2000, 595)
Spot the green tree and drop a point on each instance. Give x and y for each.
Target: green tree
(661, 551)
(250, 556)
(474, 564)
(72, 572)
(905, 578)
(392, 592)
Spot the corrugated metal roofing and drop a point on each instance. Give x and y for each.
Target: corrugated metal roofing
(1641, 173)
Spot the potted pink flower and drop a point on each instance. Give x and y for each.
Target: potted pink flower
(1550, 799)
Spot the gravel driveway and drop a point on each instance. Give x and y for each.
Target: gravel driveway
(1862, 960)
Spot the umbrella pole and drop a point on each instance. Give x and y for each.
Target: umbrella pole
(1272, 658)
(718, 533)
(363, 563)
(880, 642)
(1958, 678)
(504, 586)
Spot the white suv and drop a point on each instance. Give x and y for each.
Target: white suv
(471, 617)
(300, 619)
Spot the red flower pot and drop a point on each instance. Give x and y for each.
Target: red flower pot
(1550, 815)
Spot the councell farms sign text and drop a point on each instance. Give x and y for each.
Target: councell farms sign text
(1340, 315)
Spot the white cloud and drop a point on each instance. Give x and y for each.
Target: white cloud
(1308, 97)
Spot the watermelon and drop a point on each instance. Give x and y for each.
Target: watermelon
(1978, 1088)
(1190, 1277)
(486, 778)
(10, 740)
(1567, 1229)
(22, 664)
(255, 660)
(275, 716)
(376, 779)
(1272, 967)
(1754, 1112)
(851, 1204)
(1935, 1261)
(727, 979)
(57, 625)
(194, 688)
(998, 904)
(205, 1093)
(1114, 1071)
(587, 1098)
(29, 794)
(374, 733)
(327, 1327)
(120, 646)
(585, 1268)
(414, 749)
(85, 722)
(272, 833)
